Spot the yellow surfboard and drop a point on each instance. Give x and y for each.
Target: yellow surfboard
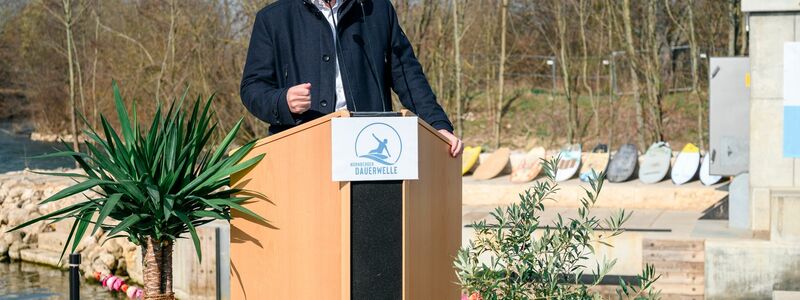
(469, 158)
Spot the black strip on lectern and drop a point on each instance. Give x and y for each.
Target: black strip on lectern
(376, 240)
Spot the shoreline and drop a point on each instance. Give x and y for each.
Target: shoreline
(41, 243)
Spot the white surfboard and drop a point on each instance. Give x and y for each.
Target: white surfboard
(655, 163)
(570, 162)
(705, 176)
(686, 164)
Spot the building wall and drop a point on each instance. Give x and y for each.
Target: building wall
(758, 268)
(772, 23)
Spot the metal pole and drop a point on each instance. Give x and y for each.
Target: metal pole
(74, 276)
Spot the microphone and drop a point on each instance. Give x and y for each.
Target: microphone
(372, 66)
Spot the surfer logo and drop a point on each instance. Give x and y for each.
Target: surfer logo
(380, 143)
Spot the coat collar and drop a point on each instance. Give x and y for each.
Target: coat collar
(344, 8)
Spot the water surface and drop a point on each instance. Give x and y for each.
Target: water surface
(25, 281)
(17, 150)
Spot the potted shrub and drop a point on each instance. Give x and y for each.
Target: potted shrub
(153, 185)
(518, 257)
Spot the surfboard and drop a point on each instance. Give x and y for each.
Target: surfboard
(469, 158)
(570, 162)
(623, 163)
(705, 176)
(596, 161)
(655, 163)
(686, 164)
(530, 166)
(493, 165)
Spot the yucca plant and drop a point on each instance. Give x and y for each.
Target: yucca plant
(153, 186)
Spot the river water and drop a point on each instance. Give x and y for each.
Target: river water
(17, 152)
(21, 280)
(26, 281)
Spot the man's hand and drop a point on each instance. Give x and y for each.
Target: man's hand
(456, 146)
(299, 98)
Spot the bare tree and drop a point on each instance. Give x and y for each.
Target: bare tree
(632, 65)
(457, 35)
(67, 18)
(501, 73)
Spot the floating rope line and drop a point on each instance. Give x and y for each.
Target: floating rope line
(116, 284)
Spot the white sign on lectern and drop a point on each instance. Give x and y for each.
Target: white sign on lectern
(372, 148)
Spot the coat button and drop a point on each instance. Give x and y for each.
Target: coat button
(324, 103)
(326, 58)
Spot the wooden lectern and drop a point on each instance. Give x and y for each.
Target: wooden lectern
(346, 240)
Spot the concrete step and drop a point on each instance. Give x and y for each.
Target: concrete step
(42, 256)
(785, 295)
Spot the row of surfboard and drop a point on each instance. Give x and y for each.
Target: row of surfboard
(653, 166)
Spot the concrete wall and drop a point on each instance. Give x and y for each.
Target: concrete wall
(750, 269)
(772, 23)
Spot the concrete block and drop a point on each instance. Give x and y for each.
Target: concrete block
(771, 5)
(739, 206)
(750, 269)
(768, 33)
(784, 225)
(44, 257)
(760, 199)
(768, 168)
(785, 295)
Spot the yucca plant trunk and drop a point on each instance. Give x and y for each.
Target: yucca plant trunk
(157, 260)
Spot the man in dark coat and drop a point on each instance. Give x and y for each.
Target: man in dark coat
(308, 58)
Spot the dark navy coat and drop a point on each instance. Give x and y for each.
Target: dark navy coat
(292, 44)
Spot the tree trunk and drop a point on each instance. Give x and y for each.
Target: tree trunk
(67, 6)
(743, 42)
(732, 26)
(582, 18)
(631, 53)
(157, 269)
(94, 69)
(654, 80)
(501, 74)
(563, 62)
(695, 75)
(457, 59)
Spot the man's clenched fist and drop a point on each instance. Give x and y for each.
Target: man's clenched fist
(299, 98)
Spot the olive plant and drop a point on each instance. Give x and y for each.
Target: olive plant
(517, 256)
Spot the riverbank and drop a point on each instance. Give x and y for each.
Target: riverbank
(20, 194)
